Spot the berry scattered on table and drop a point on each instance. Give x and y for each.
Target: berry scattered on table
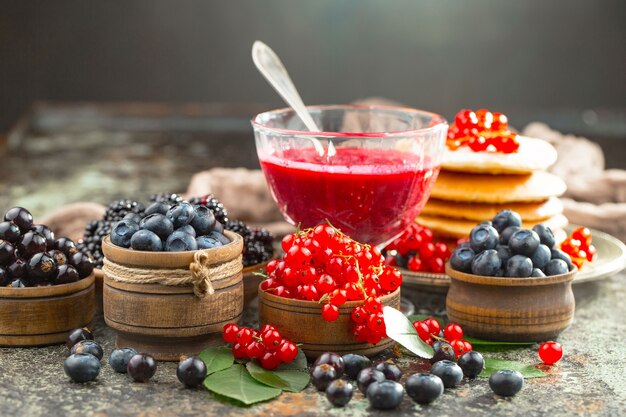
(191, 371)
(385, 395)
(424, 388)
(78, 335)
(322, 375)
(416, 250)
(471, 363)
(88, 346)
(339, 392)
(550, 352)
(368, 376)
(579, 247)
(82, 367)
(506, 383)
(443, 351)
(482, 131)
(353, 364)
(141, 367)
(332, 359)
(119, 359)
(390, 370)
(449, 372)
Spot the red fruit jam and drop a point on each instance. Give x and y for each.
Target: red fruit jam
(371, 195)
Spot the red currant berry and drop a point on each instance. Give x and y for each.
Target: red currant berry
(271, 266)
(414, 263)
(583, 235)
(591, 253)
(550, 352)
(271, 340)
(307, 276)
(230, 333)
(374, 338)
(287, 351)
(240, 351)
(244, 336)
(460, 347)
(338, 297)
(441, 250)
(433, 326)
(478, 144)
(373, 305)
(359, 315)
(290, 277)
(335, 266)
(376, 323)
(298, 256)
(266, 328)
(453, 332)
(324, 234)
(426, 234)
(361, 332)
(310, 293)
(437, 265)
(330, 312)
(255, 350)
(325, 284)
(427, 251)
(287, 242)
(353, 293)
(390, 279)
(422, 330)
(270, 360)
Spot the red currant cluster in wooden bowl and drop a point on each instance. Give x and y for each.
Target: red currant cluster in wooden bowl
(429, 330)
(267, 345)
(482, 131)
(579, 247)
(416, 250)
(324, 265)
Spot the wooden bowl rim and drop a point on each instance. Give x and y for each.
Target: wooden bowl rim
(308, 304)
(48, 291)
(509, 282)
(167, 259)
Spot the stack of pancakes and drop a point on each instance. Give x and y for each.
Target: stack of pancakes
(474, 186)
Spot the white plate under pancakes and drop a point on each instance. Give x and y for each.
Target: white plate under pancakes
(532, 155)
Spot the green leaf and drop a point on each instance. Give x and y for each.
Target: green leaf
(480, 342)
(217, 358)
(236, 383)
(400, 329)
(298, 364)
(288, 380)
(527, 371)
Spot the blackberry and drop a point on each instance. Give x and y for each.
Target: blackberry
(91, 244)
(257, 243)
(169, 198)
(120, 208)
(218, 209)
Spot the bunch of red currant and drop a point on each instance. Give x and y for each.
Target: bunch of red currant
(429, 330)
(267, 345)
(482, 131)
(322, 264)
(416, 250)
(578, 246)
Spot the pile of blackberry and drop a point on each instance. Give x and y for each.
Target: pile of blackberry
(257, 246)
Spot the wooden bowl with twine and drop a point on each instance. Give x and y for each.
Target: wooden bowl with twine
(511, 309)
(301, 321)
(170, 304)
(38, 316)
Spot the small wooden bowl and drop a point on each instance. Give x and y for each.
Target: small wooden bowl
(170, 321)
(302, 322)
(511, 309)
(41, 316)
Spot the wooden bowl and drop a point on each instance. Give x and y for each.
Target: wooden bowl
(40, 316)
(302, 322)
(170, 321)
(511, 309)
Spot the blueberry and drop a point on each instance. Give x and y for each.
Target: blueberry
(339, 392)
(385, 395)
(21, 217)
(119, 359)
(181, 214)
(485, 223)
(541, 256)
(187, 229)
(518, 266)
(424, 388)
(123, 232)
(322, 375)
(88, 346)
(556, 267)
(180, 242)
(524, 242)
(506, 383)
(133, 217)
(390, 369)
(158, 224)
(461, 259)
(219, 236)
(471, 363)
(449, 372)
(82, 367)
(506, 234)
(66, 274)
(537, 273)
(331, 359)
(207, 242)
(368, 376)
(545, 235)
(46, 233)
(486, 263)
(77, 335)
(353, 364)
(160, 207)
(204, 220)
(443, 351)
(504, 253)
(559, 254)
(483, 237)
(219, 227)
(83, 264)
(141, 367)
(146, 240)
(10, 232)
(506, 218)
(191, 371)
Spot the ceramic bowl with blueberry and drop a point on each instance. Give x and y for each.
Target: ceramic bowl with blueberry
(501, 248)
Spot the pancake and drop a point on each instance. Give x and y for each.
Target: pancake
(532, 155)
(458, 228)
(485, 188)
(481, 211)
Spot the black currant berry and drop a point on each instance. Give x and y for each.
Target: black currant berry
(83, 264)
(339, 392)
(7, 253)
(391, 370)
(18, 269)
(368, 376)
(82, 367)
(385, 395)
(10, 232)
(472, 363)
(191, 371)
(333, 360)
(5, 278)
(88, 346)
(322, 375)
(77, 335)
(58, 256)
(21, 217)
(424, 388)
(31, 244)
(449, 372)
(119, 359)
(42, 267)
(506, 383)
(65, 245)
(142, 367)
(44, 231)
(443, 351)
(19, 283)
(65, 275)
(353, 364)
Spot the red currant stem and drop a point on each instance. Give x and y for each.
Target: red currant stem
(325, 298)
(441, 339)
(258, 338)
(261, 274)
(338, 231)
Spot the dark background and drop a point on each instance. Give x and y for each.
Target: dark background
(560, 61)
